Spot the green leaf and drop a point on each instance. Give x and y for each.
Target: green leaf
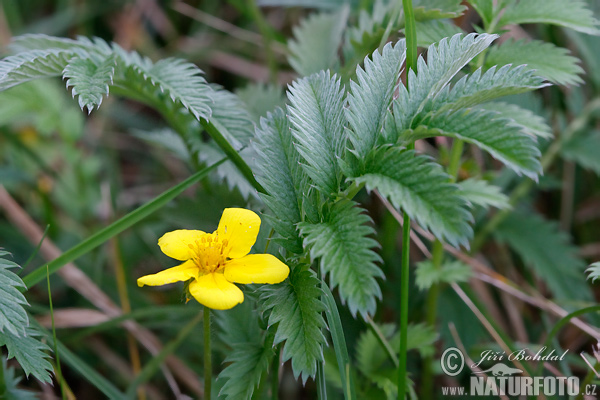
(366, 36)
(342, 241)
(11, 391)
(500, 137)
(261, 98)
(317, 116)
(526, 120)
(593, 272)
(444, 60)
(248, 362)
(316, 42)
(38, 41)
(572, 14)
(438, 9)
(90, 79)
(430, 32)
(180, 80)
(279, 172)
(583, 149)
(371, 96)
(296, 305)
(13, 317)
(548, 251)
(549, 61)
(30, 352)
(427, 274)
(31, 65)
(481, 193)
(230, 112)
(421, 188)
(494, 83)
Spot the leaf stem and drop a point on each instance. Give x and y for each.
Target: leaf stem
(207, 355)
(411, 63)
(267, 35)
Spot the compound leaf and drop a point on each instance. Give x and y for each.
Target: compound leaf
(343, 244)
(90, 79)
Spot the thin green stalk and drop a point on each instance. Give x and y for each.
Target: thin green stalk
(80, 367)
(383, 341)
(59, 375)
(321, 386)
(207, 355)
(431, 307)
(116, 227)
(339, 343)
(275, 374)
(267, 35)
(455, 155)
(404, 276)
(411, 63)
(37, 248)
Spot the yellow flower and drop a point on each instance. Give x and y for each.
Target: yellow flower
(215, 260)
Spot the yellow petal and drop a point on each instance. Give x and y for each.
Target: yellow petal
(175, 244)
(256, 268)
(239, 227)
(214, 291)
(180, 273)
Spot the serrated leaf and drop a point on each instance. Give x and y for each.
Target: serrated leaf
(278, 170)
(231, 112)
(572, 14)
(548, 251)
(296, 306)
(593, 272)
(90, 79)
(343, 244)
(427, 274)
(530, 123)
(549, 61)
(29, 352)
(316, 42)
(180, 80)
(583, 149)
(371, 96)
(444, 60)
(31, 65)
(11, 391)
(261, 98)
(38, 41)
(500, 137)
(366, 36)
(436, 9)
(481, 193)
(317, 115)
(13, 317)
(494, 83)
(430, 32)
(248, 355)
(421, 188)
(248, 363)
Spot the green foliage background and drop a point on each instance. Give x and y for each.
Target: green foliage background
(307, 113)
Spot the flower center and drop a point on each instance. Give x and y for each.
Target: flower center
(209, 253)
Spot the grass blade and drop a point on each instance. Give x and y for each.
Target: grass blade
(116, 227)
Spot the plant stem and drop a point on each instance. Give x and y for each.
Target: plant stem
(411, 63)
(455, 154)
(265, 31)
(275, 375)
(59, 375)
(207, 355)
